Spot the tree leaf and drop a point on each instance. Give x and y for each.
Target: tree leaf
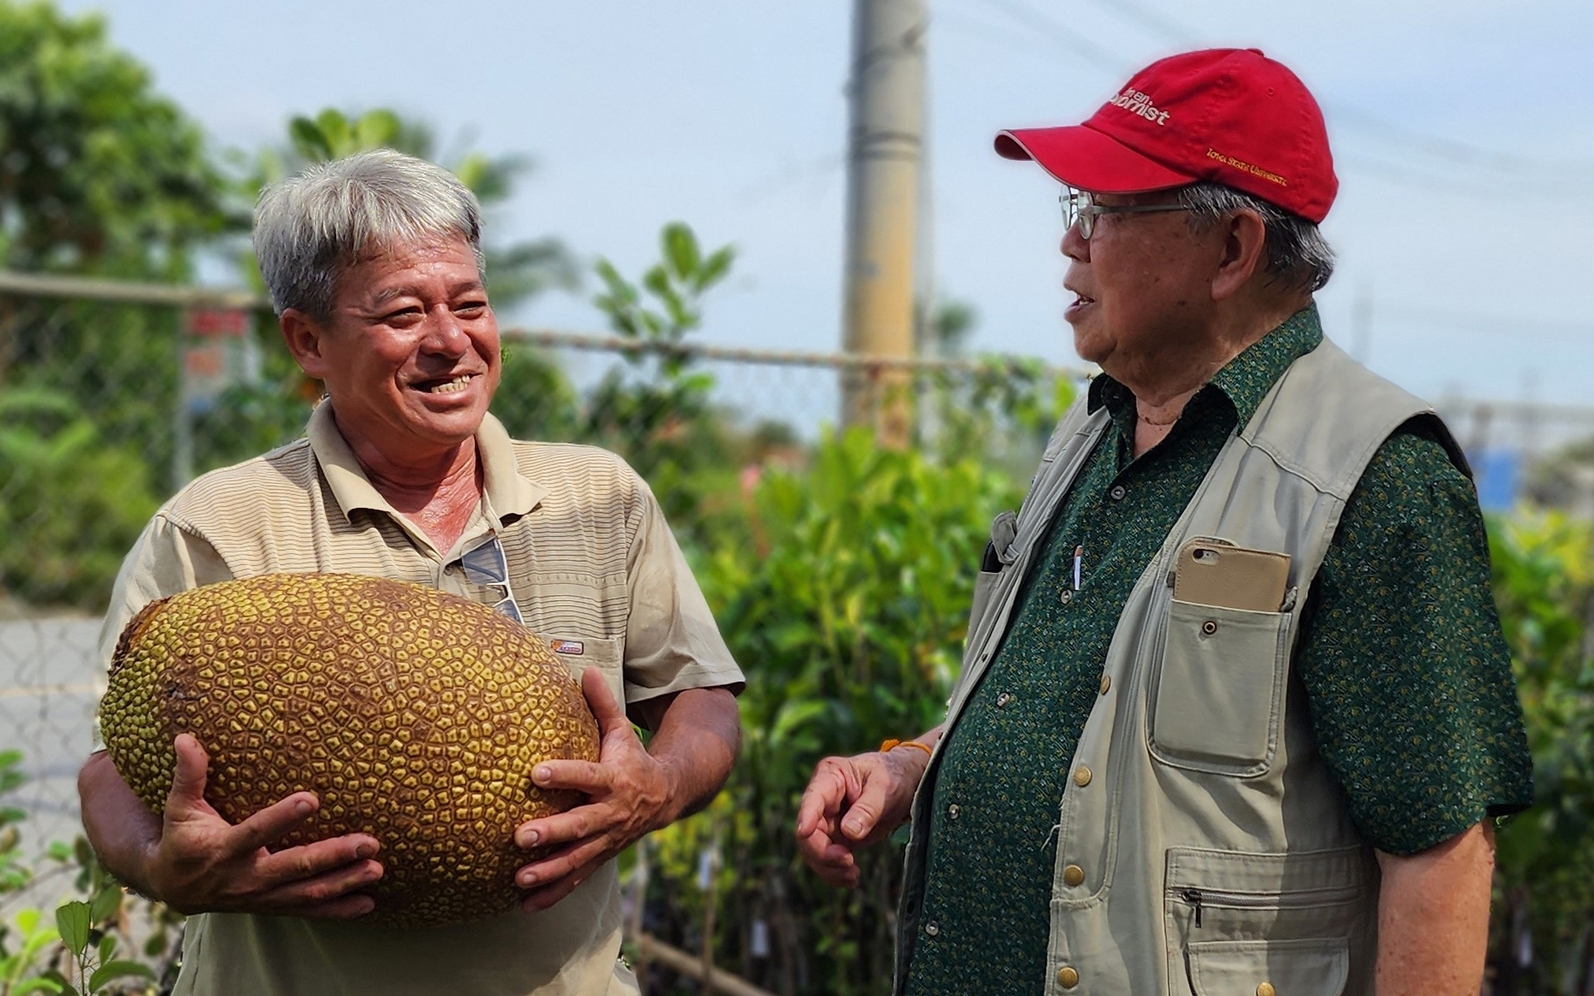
(308, 140)
(118, 969)
(680, 250)
(72, 919)
(106, 904)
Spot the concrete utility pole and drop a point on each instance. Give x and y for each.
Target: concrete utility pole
(884, 146)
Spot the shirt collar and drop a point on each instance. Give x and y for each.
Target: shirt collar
(508, 491)
(1244, 380)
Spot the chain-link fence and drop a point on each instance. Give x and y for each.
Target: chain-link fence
(113, 395)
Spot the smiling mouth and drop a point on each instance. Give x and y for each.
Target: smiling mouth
(449, 386)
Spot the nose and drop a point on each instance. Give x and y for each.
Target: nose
(1075, 246)
(445, 333)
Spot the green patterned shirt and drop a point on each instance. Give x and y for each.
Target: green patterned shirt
(1401, 654)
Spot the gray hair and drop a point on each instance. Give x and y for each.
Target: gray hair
(312, 227)
(1297, 256)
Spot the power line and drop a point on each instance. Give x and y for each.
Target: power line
(1064, 35)
(1435, 147)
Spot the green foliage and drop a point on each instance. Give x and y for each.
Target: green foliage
(656, 410)
(516, 271)
(98, 175)
(1004, 408)
(80, 955)
(97, 172)
(79, 501)
(1544, 586)
(848, 610)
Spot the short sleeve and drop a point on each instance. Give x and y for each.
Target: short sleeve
(671, 640)
(166, 559)
(1405, 667)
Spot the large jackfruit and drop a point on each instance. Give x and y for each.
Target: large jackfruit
(414, 715)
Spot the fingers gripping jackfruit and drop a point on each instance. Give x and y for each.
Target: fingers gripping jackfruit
(414, 715)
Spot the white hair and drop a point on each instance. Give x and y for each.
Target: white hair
(1297, 255)
(312, 227)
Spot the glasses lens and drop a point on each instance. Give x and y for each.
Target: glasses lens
(1077, 211)
(507, 607)
(486, 564)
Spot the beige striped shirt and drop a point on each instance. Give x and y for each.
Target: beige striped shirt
(591, 562)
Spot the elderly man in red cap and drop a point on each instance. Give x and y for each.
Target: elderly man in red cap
(1235, 713)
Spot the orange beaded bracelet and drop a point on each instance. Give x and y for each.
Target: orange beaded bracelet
(886, 745)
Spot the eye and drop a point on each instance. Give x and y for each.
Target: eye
(470, 308)
(402, 316)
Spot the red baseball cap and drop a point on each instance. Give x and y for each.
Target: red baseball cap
(1228, 115)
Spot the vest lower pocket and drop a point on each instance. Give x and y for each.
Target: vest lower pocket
(1220, 689)
(1235, 920)
(1297, 968)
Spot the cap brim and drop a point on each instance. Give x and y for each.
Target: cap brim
(1083, 157)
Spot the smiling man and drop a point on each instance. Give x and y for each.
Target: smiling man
(1235, 710)
(375, 269)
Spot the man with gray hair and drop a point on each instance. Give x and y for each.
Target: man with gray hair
(375, 270)
(1235, 712)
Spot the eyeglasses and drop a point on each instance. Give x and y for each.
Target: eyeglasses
(487, 566)
(1080, 207)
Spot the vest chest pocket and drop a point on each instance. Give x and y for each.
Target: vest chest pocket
(1220, 689)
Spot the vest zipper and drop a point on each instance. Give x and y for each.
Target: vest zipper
(1201, 898)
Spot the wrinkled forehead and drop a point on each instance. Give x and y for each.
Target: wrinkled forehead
(383, 267)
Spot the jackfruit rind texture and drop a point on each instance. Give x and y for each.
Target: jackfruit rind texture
(415, 716)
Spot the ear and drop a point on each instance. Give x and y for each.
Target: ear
(304, 335)
(1242, 256)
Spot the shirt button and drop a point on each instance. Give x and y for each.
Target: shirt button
(1073, 875)
(1082, 776)
(1265, 989)
(1106, 683)
(1067, 977)
(1118, 492)
(932, 928)
(952, 811)
(1003, 699)
(1065, 596)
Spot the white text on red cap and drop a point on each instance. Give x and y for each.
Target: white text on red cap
(1134, 101)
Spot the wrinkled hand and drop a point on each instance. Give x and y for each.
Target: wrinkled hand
(850, 803)
(629, 794)
(202, 863)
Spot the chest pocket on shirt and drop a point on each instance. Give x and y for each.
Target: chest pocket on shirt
(1220, 690)
(607, 654)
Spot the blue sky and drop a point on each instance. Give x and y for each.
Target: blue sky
(1464, 131)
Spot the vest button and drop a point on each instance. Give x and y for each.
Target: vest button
(1118, 491)
(1209, 627)
(1106, 683)
(1265, 989)
(1073, 875)
(932, 928)
(1082, 776)
(952, 811)
(1003, 699)
(1067, 977)
(1065, 596)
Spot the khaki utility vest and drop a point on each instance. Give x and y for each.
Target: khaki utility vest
(1203, 846)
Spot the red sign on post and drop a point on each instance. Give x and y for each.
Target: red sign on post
(217, 322)
(216, 354)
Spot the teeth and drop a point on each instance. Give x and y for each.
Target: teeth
(449, 387)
